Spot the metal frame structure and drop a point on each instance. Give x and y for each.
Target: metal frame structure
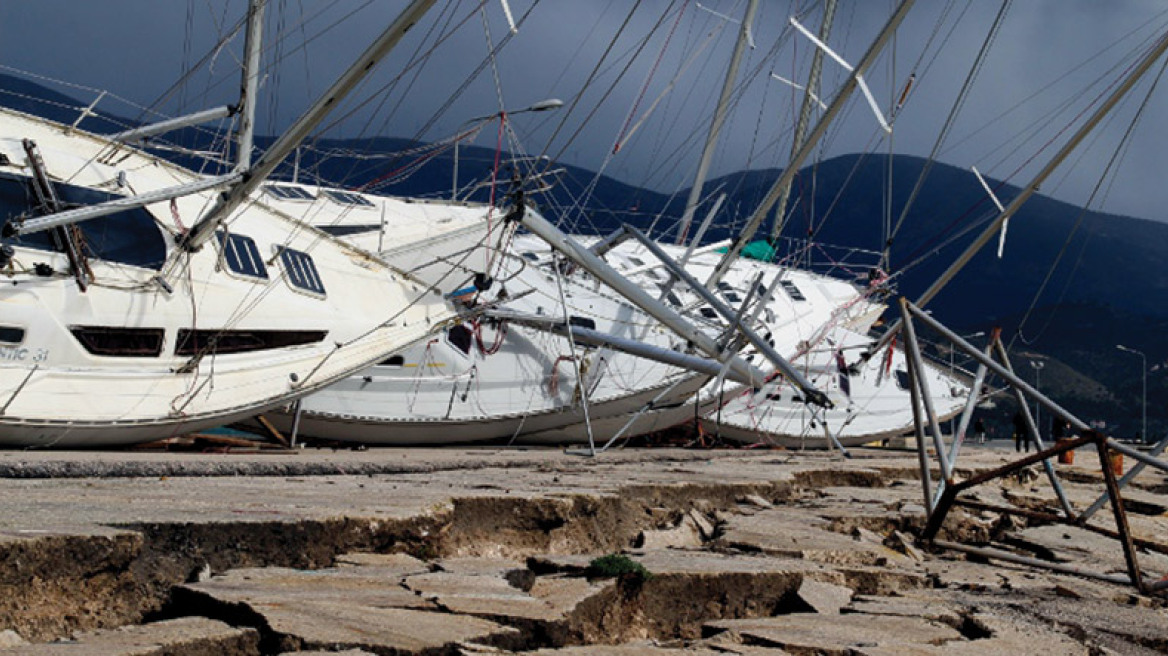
(938, 503)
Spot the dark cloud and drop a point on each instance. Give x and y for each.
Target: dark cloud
(1051, 59)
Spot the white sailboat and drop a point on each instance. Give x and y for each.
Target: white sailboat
(500, 379)
(138, 303)
(511, 394)
(811, 319)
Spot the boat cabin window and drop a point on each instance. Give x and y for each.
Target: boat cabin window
(733, 297)
(289, 192)
(11, 335)
(302, 273)
(637, 261)
(530, 256)
(673, 299)
(460, 338)
(347, 197)
(902, 380)
(393, 361)
(792, 290)
(708, 312)
(725, 286)
(127, 237)
(345, 230)
(120, 342)
(193, 342)
(583, 322)
(241, 255)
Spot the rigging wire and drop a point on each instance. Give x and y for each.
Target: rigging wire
(958, 104)
(1112, 163)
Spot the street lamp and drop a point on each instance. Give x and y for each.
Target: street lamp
(1038, 365)
(541, 106)
(1144, 361)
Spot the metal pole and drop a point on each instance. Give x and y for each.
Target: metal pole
(576, 252)
(581, 384)
(1138, 455)
(1132, 473)
(120, 204)
(810, 143)
(590, 337)
(918, 426)
(1006, 556)
(1037, 435)
(1037, 365)
(297, 408)
(307, 122)
(1144, 372)
(911, 346)
(1129, 550)
(250, 82)
(809, 101)
(695, 192)
(805, 386)
(1006, 374)
(966, 415)
(162, 127)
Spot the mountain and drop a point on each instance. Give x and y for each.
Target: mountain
(1109, 287)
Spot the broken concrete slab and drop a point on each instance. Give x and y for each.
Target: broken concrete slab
(314, 652)
(1107, 622)
(320, 625)
(186, 635)
(400, 562)
(906, 545)
(786, 532)
(366, 586)
(824, 598)
(1003, 631)
(549, 599)
(1072, 544)
(10, 638)
(640, 648)
(584, 508)
(705, 527)
(920, 604)
(841, 635)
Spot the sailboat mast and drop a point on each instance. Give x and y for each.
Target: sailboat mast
(695, 192)
(295, 134)
(812, 139)
(1136, 73)
(250, 81)
(809, 102)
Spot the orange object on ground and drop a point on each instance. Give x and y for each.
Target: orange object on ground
(1116, 460)
(1066, 457)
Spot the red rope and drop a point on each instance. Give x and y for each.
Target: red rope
(500, 334)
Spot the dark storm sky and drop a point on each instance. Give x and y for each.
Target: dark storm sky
(1051, 59)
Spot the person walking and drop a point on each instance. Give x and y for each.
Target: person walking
(1021, 433)
(979, 430)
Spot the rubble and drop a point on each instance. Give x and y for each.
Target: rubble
(486, 552)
